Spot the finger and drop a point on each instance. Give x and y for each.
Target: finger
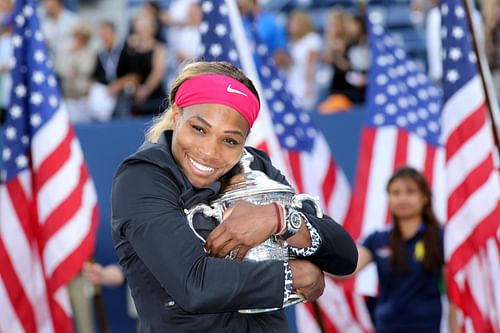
(242, 252)
(228, 247)
(214, 235)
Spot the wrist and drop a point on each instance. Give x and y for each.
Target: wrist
(279, 211)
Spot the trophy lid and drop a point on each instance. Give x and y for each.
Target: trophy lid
(250, 182)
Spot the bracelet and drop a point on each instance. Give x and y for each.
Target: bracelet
(278, 210)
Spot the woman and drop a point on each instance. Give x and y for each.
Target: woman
(304, 48)
(409, 259)
(179, 284)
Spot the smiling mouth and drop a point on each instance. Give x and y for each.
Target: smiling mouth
(200, 167)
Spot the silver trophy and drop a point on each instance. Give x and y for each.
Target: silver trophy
(256, 187)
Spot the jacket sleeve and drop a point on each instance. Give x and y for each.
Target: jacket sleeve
(146, 213)
(337, 253)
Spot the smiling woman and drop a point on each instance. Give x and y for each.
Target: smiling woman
(180, 284)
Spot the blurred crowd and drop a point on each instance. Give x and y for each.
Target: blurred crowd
(105, 74)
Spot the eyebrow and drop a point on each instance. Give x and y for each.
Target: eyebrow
(236, 132)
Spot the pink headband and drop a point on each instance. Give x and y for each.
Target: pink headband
(219, 89)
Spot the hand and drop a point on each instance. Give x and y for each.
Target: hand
(141, 94)
(308, 279)
(109, 276)
(243, 226)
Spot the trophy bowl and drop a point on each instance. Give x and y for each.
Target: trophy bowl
(255, 187)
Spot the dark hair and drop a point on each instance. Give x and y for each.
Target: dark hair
(432, 256)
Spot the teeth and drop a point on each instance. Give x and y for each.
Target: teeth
(201, 167)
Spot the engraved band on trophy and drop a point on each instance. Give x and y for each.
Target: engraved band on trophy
(256, 187)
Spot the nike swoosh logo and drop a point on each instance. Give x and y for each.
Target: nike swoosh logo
(234, 91)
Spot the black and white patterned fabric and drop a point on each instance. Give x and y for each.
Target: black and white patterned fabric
(288, 281)
(315, 243)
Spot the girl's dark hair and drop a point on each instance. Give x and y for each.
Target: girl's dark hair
(432, 250)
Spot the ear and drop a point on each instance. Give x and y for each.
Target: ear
(176, 114)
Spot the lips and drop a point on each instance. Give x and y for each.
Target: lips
(201, 168)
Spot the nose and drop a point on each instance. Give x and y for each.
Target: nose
(210, 150)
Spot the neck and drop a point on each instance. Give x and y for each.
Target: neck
(409, 226)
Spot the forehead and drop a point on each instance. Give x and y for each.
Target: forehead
(403, 182)
(217, 116)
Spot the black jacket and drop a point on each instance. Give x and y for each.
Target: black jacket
(175, 285)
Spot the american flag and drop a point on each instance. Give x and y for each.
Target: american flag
(48, 204)
(287, 134)
(402, 127)
(472, 235)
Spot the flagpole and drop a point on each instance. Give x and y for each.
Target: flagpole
(495, 121)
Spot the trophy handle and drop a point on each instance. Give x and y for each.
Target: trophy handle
(299, 198)
(206, 210)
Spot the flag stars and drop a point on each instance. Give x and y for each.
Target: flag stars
(279, 128)
(223, 10)
(268, 93)
(25, 140)
(444, 9)
(290, 141)
(265, 71)
(215, 50)
(233, 55)
(16, 111)
(433, 126)
(412, 117)
(421, 131)
(22, 161)
(452, 76)
(391, 109)
(380, 99)
(20, 91)
(38, 35)
(203, 27)
(220, 30)
(39, 56)
(459, 11)
(10, 133)
(472, 57)
(207, 7)
(17, 41)
(20, 20)
(53, 101)
(28, 10)
(455, 54)
(289, 119)
(38, 77)
(457, 32)
(35, 120)
(36, 98)
(6, 154)
(276, 84)
(379, 119)
(278, 106)
(401, 121)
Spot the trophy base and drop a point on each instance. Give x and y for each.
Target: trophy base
(292, 300)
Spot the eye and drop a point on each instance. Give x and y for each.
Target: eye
(198, 129)
(231, 141)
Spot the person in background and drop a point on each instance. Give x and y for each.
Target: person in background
(57, 24)
(140, 71)
(180, 284)
(75, 73)
(409, 258)
(269, 31)
(346, 51)
(182, 19)
(110, 276)
(6, 54)
(304, 49)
